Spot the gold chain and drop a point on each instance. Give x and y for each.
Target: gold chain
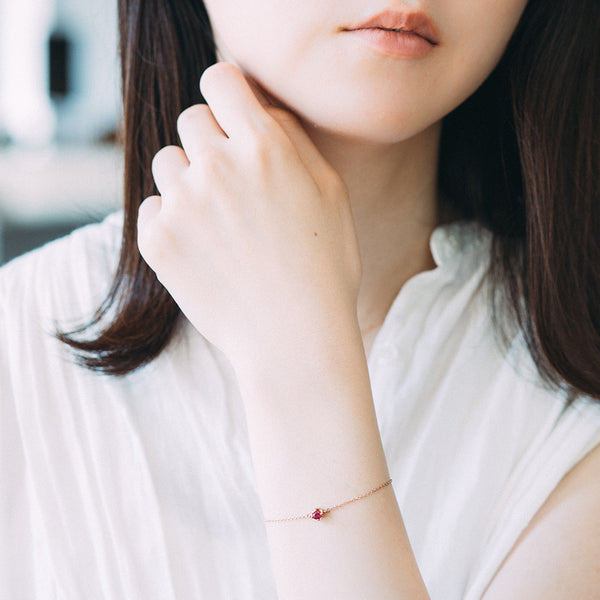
(318, 513)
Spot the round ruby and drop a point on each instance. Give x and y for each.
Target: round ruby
(317, 514)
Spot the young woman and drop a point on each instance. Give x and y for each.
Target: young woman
(365, 249)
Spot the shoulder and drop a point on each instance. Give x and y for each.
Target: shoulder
(57, 287)
(66, 278)
(557, 555)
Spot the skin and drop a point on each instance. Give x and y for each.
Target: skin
(311, 175)
(388, 155)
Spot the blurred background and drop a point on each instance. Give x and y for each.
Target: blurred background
(60, 160)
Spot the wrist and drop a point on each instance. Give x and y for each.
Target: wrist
(293, 357)
(311, 423)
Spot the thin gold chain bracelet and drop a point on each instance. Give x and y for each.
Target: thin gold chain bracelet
(319, 513)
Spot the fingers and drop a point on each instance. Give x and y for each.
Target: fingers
(234, 119)
(310, 155)
(241, 107)
(198, 130)
(234, 105)
(167, 166)
(147, 213)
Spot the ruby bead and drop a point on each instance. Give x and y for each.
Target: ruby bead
(317, 514)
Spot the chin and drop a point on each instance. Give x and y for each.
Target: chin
(369, 129)
(356, 115)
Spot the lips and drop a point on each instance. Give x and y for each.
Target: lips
(416, 23)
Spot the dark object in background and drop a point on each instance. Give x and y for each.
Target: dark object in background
(16, 239)
(59, 53)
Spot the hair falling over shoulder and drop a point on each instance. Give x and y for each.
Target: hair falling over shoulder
(521, 156)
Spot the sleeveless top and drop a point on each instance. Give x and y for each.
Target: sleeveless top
(141, 487)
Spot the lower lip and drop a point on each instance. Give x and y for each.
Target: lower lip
(394, 43)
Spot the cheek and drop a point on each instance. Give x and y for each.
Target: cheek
(408, 97)
(478, 33)
(351, 93)
(255, 32)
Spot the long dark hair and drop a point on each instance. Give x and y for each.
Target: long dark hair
(521, 156)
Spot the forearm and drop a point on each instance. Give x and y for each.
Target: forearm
(315, 443)
(273, 281)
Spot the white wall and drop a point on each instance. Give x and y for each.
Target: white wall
(93, 108)
(55, 173)
(25, 109)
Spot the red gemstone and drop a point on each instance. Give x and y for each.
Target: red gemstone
(317, 514)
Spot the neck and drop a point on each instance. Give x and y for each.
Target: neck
(393, 194)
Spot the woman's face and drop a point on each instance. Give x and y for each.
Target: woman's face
(303, 54)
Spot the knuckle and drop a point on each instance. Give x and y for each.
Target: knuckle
(175, 198)
(192, 115)
(144, 240)
(212, 166)
(163, 156)
(214, 73)
(147, 211)
(155, 241)
(186, 117)
(257, 146)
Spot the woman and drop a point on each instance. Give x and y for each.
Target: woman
(415, 183)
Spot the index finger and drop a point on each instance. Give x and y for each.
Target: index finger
(232, 101)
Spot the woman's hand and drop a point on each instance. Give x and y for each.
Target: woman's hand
(253, 234)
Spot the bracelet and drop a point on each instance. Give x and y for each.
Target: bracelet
(319, 513)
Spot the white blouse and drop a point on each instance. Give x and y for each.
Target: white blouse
(141, 487)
